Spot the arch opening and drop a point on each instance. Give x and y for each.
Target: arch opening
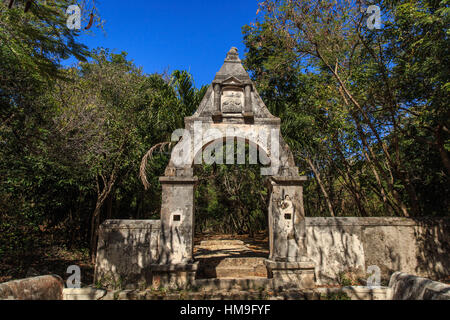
(231, 216)
(232, 150)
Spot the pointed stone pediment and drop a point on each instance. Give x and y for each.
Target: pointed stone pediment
(232, 67)
(232, 94)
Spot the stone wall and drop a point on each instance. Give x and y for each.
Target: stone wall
(336, 245)
(126, 248)
(414, 246)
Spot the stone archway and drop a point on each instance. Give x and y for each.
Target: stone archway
(232, 108)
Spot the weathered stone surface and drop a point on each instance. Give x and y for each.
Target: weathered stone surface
(126, 248)
(37, 288)
(335, 245)
(173, 276)
(255, 283)
(402, 287)
(358, 292)
(334, 248)
(287, 219)
(417, 246)
(402, 244)
(244, 267)
(177, 220)
(408, 287)
(232, 244)
(250, 289)
(292, 274)
(84, 294)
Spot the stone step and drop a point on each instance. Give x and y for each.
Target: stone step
(242, 267)
(240, 272)
(231, 289)
(223, 243)
(245, 284)
(228, 250)
(213, 295)
(238, 262)
(221, 251)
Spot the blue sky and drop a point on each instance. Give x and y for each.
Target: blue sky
(191, 35)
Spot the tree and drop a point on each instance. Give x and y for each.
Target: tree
(362, 118)
(32, 46)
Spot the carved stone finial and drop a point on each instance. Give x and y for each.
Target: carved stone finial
(233, 55)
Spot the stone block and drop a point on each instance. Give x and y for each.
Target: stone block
(409, 287)
(83, 294)
(37, 288)
(173, 276)
(126, 248)
(291, 274)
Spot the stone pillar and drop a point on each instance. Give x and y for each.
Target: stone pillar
(248, 113)
(287, 219)
(175, 267)
(217, 113)
(177, 220)
(217, 97)
(248, 98)
(288, 263)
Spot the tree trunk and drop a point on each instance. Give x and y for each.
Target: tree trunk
(322, 187)
(95, 219)
(442, 152)
(94, 228)
(109, 206)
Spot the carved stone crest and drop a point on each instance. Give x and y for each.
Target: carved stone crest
(232, 101)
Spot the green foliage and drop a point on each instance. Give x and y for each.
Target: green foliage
(365, 112)
(335, 296)
(231, 198)
(35, 186)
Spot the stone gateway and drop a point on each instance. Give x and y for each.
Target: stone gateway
(232, 104)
